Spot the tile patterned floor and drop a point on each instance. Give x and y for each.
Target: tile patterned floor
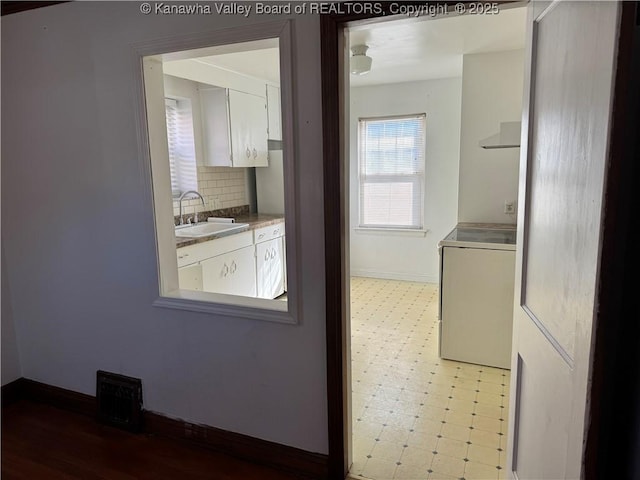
(416, 416)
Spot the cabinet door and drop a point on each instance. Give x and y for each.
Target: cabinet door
(190, 277)
(284, 260)
(233, 273)
(248, 125)
(216, 274)
(269, 268)
(243, 271)
(215, 127)
(276, 269)
(263, 264)
(274, 113)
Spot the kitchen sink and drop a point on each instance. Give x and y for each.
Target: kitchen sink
(210, 228)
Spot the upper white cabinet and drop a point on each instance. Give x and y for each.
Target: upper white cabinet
(234, 128)
(274, 113)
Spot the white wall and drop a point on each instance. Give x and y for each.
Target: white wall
(10, 356)
(406, 256)
(491, 93)
(83, 271)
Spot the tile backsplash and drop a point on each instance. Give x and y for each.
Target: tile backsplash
(221, 187)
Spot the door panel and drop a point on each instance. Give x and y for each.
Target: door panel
(571, 50)
(567, 166)
(536, 368)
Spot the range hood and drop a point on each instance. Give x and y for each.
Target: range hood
(508, 137)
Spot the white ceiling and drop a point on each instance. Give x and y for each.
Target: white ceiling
(258, 58)
(416, 49)
(263, 64)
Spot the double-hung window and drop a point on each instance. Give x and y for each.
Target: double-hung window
(182, 155)
(391, 152)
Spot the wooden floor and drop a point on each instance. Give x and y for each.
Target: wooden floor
(43, 442)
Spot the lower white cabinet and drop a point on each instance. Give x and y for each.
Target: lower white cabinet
(232, 273)
(249, 264)
(270, 268)
(190, 277)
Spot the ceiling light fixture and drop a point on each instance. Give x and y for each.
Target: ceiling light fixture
(360, 62)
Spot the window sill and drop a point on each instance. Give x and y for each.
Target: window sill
(406, 232)
(227, 305)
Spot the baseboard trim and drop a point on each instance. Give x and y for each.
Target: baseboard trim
(407, 277)
(12, 392)
(282, 457)
(306, 465)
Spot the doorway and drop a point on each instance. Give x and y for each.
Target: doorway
(415, 414)
(565, 40)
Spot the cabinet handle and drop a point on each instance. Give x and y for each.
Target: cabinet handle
(234, 267)
(260, 236)
(266, 255)
(248, 152)
(255, 153)
(276, 231)
(183, 255)
(225, 270)
(273, 253)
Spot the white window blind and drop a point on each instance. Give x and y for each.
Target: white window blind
(391, 154)
(182, 155)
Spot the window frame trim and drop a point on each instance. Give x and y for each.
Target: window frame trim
(396, 228)
(168, 295)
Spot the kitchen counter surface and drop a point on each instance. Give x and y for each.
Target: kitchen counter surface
(254, 220)
(491, 236)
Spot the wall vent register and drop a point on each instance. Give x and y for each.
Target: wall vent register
(119, 400)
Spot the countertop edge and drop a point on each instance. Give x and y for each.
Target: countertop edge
(254, 222)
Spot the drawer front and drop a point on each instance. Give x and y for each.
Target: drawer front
(201, 251)
(269, 232)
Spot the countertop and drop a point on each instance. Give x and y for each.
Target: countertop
(487, 236)
(254, 220)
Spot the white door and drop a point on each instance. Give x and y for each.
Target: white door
(248, 124)
(571, 51)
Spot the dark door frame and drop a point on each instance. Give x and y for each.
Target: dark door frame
(613, 331)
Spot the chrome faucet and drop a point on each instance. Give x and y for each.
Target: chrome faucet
(195, 216)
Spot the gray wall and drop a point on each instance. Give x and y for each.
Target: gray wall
(10, 356)
(79, 241)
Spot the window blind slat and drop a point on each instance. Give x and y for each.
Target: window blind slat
(182, 155)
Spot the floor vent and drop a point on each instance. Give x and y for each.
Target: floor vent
(119, 401)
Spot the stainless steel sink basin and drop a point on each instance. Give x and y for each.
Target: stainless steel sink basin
(204, 229)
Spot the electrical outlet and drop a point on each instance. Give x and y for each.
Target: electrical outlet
(509, 207)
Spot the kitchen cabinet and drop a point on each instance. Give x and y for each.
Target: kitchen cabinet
(269, 268)
(250, 263)
(190, 277)
(270, 275)
(232, 273)
(234, 128)
(274, 113)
